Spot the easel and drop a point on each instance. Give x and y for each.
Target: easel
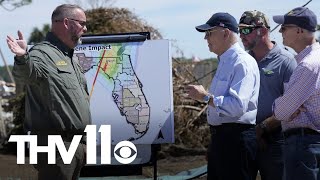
(118, 170)
(154, 155)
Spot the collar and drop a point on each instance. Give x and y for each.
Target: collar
(274, 51)
(54, 40)
(299, 57)
(270, 55)
(226, 55)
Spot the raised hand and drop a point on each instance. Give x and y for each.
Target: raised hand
(17, 46)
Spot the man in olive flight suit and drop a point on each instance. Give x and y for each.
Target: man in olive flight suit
(57, 101)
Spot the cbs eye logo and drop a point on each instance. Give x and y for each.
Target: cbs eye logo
(125, 152)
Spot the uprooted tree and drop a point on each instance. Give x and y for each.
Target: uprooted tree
(117, 20)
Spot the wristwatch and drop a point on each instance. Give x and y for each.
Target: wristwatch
(207, 98)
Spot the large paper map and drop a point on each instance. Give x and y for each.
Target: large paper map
(130, 87)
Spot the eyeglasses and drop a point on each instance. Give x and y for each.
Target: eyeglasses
(247, 30)
(284, 28)
(208, 33)
(82, 23)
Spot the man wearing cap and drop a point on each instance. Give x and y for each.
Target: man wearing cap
(232, 102)
(302, 95)
(276, 66)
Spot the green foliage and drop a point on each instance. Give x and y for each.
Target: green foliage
(38, 35)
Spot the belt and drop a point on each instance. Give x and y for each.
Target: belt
(300, 131)
(225, 127)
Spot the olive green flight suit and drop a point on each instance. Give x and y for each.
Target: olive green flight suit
(57, 101)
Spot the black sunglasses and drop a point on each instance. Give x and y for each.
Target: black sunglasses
(247, 30)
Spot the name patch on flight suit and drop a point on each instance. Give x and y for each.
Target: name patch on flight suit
(61, 63)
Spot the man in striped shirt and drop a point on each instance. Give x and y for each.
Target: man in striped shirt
(299, 107)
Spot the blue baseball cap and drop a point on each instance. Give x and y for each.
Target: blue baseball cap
(224, 20)
(300, 16)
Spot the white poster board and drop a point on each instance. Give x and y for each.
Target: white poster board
(130, 87)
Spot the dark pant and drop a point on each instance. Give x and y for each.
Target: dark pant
(270, 161)
(302, 155)
(232, 152)
(60, 170)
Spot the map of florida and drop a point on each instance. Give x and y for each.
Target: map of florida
(127, 92)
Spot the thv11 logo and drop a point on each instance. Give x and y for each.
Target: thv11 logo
(125, 152)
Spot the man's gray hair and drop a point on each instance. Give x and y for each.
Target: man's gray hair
(64, 11)
(234, 36)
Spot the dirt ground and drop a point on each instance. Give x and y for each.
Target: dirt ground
(174, 165)
(10, 170)
(170, 166)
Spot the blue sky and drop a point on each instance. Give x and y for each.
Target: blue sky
(175, 19)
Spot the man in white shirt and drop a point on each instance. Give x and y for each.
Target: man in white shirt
(233, 101)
